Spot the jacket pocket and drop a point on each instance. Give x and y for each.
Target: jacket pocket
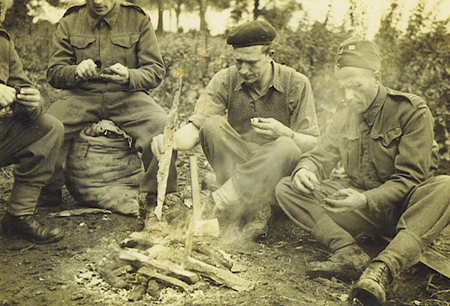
(84, 47)
(124, 49)
(81, 42)
(390, 136)
(125, 41)
(385, 149)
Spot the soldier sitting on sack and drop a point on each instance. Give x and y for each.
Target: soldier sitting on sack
(106, 59)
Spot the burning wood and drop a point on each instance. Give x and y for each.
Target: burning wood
(164, 266)
(220, 276)
(171, 281)
(173, 267)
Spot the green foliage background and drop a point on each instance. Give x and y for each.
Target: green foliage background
(415, 61)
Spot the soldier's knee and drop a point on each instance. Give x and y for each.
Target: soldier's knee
(282, 188)
(49, 124)
(443, 182)
(160, 121)
(287, 148)
(443, 179)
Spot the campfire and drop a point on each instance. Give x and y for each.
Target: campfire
(163, 257)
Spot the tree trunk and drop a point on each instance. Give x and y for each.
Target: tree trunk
(177, 16)
(256, 10)
(160, 27)
(202, 6)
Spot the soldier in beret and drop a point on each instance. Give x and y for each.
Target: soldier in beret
(29, 139)
(106, 59)
(270, 121)
(384, 139)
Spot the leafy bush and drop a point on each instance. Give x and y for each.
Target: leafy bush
(193, 57)
(417, 61)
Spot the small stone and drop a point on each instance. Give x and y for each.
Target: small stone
(153, 288)
(137, 293)
(203, 286)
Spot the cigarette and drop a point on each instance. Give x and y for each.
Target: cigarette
(254, 119)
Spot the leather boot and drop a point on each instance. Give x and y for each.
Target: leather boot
(345, 264)
(257, 227)
(370, 289)
(28, 227)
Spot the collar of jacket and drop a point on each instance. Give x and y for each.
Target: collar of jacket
(275, 82)
(109, 18)
(376, 105)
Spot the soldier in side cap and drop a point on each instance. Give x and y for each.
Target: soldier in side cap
(384, 139)
(29, 139)
(271, 121)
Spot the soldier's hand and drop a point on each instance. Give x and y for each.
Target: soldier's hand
(86, 70)
(158, 146)
(29, 97)
(117, 73)
(345, 200)
(270, 128)
(304, 181)
(7, 95)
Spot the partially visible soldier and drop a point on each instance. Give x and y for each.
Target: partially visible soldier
(29, 139)
(385, 141)
(106, 59)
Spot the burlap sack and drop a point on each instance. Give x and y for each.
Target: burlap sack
(103, 169)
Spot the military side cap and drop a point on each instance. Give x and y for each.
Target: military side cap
(252, 33)
(360, 53)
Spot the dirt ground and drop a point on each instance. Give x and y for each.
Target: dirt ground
(67, 273)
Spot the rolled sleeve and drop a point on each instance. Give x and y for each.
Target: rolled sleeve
(212, 101)
(303, 119)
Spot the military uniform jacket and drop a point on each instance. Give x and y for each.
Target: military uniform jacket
(289, 99)
(125, 35)
(12, 75)
(386, 152)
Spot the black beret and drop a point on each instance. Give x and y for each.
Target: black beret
(252, 33)
(360, 53)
